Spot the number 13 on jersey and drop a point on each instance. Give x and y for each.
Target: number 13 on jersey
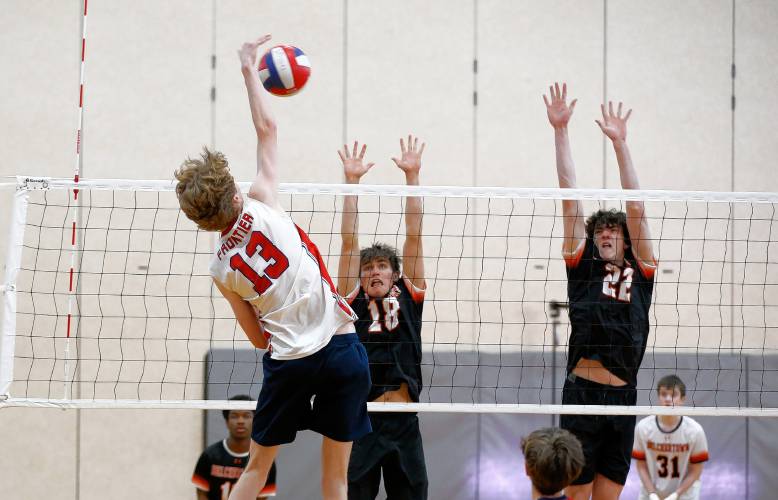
(277, 262)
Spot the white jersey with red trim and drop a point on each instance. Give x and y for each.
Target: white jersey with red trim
(669, 453)
(272, 264)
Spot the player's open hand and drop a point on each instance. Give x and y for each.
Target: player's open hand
(410, 159)
(559, 112)
(353, 167)
(248, 51)
(613, 124)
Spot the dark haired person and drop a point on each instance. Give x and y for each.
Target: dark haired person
(388, 302)
(670, 450)
(610, 273)
(220, 465)
(553, 458)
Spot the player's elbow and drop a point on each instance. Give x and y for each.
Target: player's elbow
(266, 128)
(412, 242)
(347, 244)
(260, 343)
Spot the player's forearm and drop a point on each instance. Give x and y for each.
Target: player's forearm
(565, 168)
(629, 177)
(265, 126)
(645, 477)
(349, 223)
(263, 119)
(413, 209)
(692, 474)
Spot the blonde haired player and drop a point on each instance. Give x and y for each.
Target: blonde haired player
(670, 450)
(315, 373)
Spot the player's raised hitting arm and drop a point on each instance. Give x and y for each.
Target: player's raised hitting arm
(265, 185)
(348, 265)
(413, 252)
(559, 113)
(614, 126)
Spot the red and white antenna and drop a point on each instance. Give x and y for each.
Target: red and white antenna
(74, 248)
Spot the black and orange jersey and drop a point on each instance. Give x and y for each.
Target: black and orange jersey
(219, 468)
(608, 307)
(390, 329)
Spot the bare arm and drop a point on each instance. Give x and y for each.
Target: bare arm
(645, 477)
(614, 126)
(246, 317)
(559, 114)
(693, 473)
(413, 249)
(265, 185)
(348, 264)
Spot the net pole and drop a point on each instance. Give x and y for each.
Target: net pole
(12, 265)
(77, 170)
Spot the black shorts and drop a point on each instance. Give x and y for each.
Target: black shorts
(606, 440)
(394, 448)
(325, 392)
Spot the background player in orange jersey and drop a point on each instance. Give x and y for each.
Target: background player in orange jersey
(670, 450)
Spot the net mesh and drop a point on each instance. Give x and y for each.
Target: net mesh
(148, 326)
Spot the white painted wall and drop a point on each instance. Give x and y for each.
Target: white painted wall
(380, 70)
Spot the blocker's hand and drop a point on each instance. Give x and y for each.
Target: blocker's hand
(558, 111)
(672, 496)
(353, 167)
(653, 496)
(410, 160)
(613, 125)
(248, 51)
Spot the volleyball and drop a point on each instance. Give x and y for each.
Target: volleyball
(284, 70)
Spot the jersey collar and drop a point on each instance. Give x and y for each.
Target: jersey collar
(659, 425)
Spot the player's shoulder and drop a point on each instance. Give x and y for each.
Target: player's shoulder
(260, 206)
(692, 425)
(415, 293)
(646, 423)
(214, 449)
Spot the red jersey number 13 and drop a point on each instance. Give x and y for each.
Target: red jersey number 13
(277, 262)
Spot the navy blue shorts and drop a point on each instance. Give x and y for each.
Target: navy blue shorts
(325, 392)
(606, 440)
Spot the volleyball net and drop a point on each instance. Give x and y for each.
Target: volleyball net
(108, 301)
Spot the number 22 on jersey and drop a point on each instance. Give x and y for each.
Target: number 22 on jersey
(617, 284)
(277, 262)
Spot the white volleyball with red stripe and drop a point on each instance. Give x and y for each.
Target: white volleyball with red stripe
(284, 70)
